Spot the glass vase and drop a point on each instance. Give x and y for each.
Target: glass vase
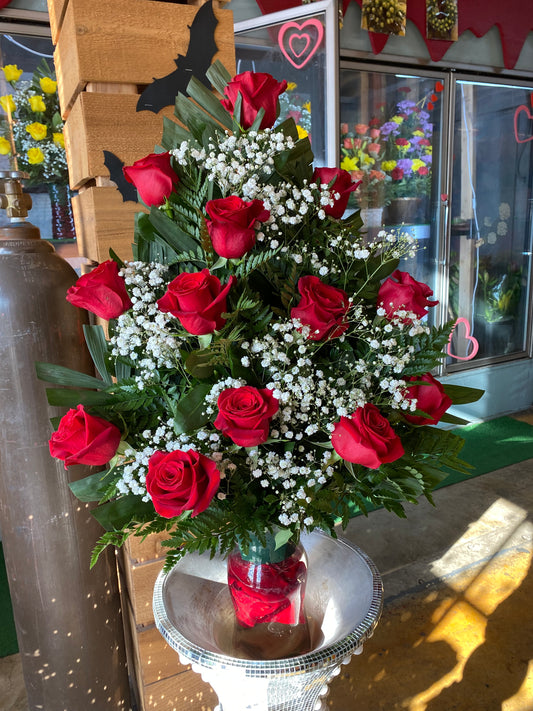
(62, 217)
(267, 587)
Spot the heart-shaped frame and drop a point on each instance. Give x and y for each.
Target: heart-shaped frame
(519, 110)
(298, 45)
(470, 339)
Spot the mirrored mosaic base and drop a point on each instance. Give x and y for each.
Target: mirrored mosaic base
(194, 613)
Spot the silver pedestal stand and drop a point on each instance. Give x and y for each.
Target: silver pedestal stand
(193, 612)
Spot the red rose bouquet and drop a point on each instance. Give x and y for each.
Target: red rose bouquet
(267, 368)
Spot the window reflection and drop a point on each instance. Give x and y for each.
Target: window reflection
(390, 127)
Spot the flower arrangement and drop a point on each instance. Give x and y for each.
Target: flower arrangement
(362, 151)
(32, 128)
(266, 368)
(407, 150)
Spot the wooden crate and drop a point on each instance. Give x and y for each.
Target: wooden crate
(162, 681)
(127, 42)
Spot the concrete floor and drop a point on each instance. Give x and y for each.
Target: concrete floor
(456, 633)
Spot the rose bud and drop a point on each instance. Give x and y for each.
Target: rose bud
(153, 177)
(84, 439)
(401, 291)
(244, 414)
(198, 300)
(339, 191)
(322, 307)
(181, 481)
(102, 292)
(430, 398)
(231, 227)
(366, 438)
(258, 91)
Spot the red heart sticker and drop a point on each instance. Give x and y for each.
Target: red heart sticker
(298, 43)
(470, 340)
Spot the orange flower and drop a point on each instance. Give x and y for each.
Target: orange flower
(361, 128)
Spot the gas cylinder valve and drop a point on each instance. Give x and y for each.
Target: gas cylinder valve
(13, 199)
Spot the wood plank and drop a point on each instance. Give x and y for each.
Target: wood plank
(56, 12)
(142, 551)
(102, 222)
(140, 580)
(108, 122)
(115, 42)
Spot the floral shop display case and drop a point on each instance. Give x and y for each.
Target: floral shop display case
(104, 59)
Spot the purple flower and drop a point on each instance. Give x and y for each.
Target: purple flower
(428, 159)
(406, 106)
(405, 164)
(390, 127)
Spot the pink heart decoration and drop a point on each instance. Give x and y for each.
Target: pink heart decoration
(517, 113)
(470, 339)
(295, 40)
(298, 43)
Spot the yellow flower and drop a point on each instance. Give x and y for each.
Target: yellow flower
(7, 103)
(349, 164)
(397, 119)
(428, 150)
(35, 156)
(418, 133)
(59, 139)
(48, 85)
(37, 130)
(417, 164)
(291, 86)
(5, 146)
(302, 133)
(37, 103)
(388, 165)
(368, 160)
(11, 72)
(307, 106)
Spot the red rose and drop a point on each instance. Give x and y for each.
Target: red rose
(181, 481)
(423, 170)
(231, 227)
(366, 438)
(402, 142)
(84, 439)
(404, 293)
(102, 291)
(430, 398)
(153, 177)
(244, 414)
(342, 186)
(198, 300)
(397, 173)
(258, 91)
(322, 307)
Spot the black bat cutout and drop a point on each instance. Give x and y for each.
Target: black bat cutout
(114, 166)
(202, 48)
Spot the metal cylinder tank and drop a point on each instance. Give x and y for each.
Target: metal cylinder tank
(67, 617)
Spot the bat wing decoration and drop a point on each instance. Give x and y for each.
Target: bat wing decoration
(202, 48)
(114, 166)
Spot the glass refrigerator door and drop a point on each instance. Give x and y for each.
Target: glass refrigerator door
(491, 216)
(301, 46)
